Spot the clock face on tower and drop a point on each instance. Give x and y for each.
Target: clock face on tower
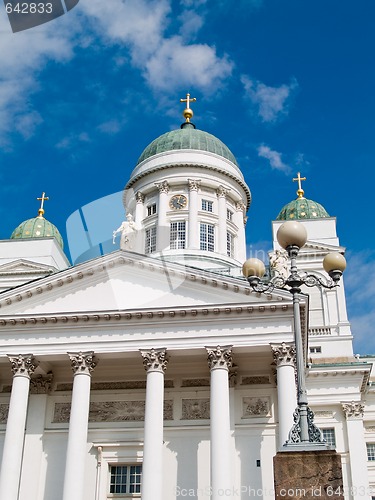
(178, 201)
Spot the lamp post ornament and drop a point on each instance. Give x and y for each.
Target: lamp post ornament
(292, 236)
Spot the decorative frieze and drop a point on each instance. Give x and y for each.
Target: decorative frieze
(195, 382)
(114, 386)
(255, 407)
(4, 410)
(255, 380)
(155, 360)
(23, 364)
(83, 362)
(195, 409)
(284, 354)
(194, 184)
(41, 384)
(323, 414)
(354, 409)
(163, 187)
(219, 357)
(111, 411)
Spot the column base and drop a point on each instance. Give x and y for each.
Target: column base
(308, 474)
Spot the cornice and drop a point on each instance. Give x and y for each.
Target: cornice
(147, 315)
(86, 271)
(167, 166)
(342, 370)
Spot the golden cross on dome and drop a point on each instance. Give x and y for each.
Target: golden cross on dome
(298, 179)
(188, 113)
(42, 200)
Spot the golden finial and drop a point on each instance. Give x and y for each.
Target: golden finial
(300, 191)
(42, 200)
(188, 113)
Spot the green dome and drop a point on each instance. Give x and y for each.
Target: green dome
(38, 227)
(302, 208)
(187, 137)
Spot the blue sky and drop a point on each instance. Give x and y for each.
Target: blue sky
(288, 86)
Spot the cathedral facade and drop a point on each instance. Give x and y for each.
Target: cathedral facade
(155, 371)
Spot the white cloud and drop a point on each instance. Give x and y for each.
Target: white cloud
(274, 158)
(360, 290)
(166, 62)
(271, 102)
(176, 64)
(23, 56)
(138, 27)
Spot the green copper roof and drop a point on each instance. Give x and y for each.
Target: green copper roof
(187, 137)
(302, 208)
(39, 227)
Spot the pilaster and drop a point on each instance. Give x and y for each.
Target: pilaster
(221, 194)
(162, 232)
(193, 229)
(353, 412)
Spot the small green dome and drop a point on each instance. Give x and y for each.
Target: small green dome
(38, 227)
(187, 137)
(302, 208)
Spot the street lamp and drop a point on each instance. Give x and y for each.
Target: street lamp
(292, 236)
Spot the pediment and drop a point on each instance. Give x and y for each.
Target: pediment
(24, 267)
(123, 281)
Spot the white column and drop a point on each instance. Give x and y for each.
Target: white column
(139, 208)
(193, 228)
(83, 363)
(155, 362)
(240, 246)
(221, 194)
(284, 358)
(40, 387)
(162, 232)
(23, 366)
(357, 449)
(219, 361)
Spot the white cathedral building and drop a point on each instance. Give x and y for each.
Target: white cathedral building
(155, 371)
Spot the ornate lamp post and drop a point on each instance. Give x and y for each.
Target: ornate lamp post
(292, 236)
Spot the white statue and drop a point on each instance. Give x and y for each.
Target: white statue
(279, 263)
(128, 230)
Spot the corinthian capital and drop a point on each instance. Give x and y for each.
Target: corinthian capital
(41, 384)
(23, 364)
(284, 354)
(221, 192)
(194, 184)
(354, 409)
(82, 362)
(155, 360)
(140, 198)
(240, 206)
(219, 357)
(162, 186)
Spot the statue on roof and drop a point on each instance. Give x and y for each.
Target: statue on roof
(279, 263)
(128, 230)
